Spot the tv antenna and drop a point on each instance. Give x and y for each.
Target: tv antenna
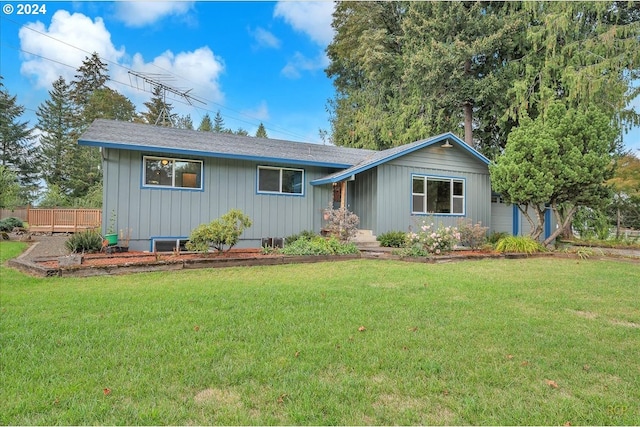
(158, 81)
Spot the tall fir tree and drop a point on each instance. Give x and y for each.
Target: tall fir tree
(261, 132)
(205, 124)
(17, 147)
(58, 136)
(159, 112)
(218, 123)
(89, 85)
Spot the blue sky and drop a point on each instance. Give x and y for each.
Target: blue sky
(255, 62)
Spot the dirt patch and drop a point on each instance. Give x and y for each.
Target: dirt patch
(585, 314)
(216, 396)
(625, 323)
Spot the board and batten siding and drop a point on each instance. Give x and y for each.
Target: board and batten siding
(393, 200)
(156, 213)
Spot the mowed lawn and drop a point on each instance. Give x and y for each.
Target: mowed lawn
(538, 341)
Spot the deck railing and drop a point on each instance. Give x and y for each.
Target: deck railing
(63, 220)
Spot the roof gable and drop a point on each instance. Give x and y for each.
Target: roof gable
(379, 157)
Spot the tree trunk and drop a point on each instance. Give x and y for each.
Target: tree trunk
(467, 108)
(562, 222)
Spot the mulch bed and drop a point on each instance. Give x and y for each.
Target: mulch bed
(137, 258)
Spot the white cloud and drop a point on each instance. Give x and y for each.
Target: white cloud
(60, 49)
(299, 63)
(141, 13)
(311, 18)
(265, 38)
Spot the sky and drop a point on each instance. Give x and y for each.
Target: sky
(255, 62)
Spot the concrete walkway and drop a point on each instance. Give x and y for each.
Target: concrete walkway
(41, 246)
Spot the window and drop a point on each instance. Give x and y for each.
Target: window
(437, 195)
(280, 180)
(172, 173)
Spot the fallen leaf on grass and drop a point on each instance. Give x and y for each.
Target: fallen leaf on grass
(525, 363)
(551, 383)
(297, 354)
(586, 368)
(414, 329)
(282, 397)
(509, 356)
(196, 328)
(568, 423)
(362, 329)
(106, 391)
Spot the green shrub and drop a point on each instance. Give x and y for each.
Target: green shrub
(8, 224)
(472, 235)
(85, 241)
(415, 250)
(306, 233)
(519, 244)
(392, 239)
(224, 231)
(318, 245)
(495, 236)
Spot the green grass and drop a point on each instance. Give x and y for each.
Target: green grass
(460, 343)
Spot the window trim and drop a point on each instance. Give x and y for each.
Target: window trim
(452, 180)
(173, 177)
(280, 192)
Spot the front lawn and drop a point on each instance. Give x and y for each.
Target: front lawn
(536, 341)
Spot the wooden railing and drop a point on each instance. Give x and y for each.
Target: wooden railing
(63, 220)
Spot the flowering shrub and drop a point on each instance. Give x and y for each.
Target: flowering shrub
(435, 240)
(472, 235)
(341, 223)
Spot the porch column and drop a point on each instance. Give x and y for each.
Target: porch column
(343, 194)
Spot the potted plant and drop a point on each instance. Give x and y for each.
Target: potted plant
(112, 237)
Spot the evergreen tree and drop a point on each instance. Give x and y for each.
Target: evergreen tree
(106, 103)
(17, 150)
(9, 188)
(406, 70)
(218, 123)
(241, 132)
(159, 112)
(184, 122)
(91, 75)
(561, 159)
(58, 139)
(261, 132)
(205, 124)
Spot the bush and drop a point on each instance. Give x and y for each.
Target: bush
(342, 223)
(306, 234)
(318, 245)
(224, 231)
(519, 244)
(8, 224)
(392, 239)
(496, 236)
(472, 235)
(85, 241)
(434, 240)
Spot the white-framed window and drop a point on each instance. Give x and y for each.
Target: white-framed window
(275, 180)
(437, 195)
(168, 172)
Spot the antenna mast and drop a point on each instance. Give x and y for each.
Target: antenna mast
(154, 81)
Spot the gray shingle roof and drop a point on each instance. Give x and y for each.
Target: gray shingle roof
(144, 137)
